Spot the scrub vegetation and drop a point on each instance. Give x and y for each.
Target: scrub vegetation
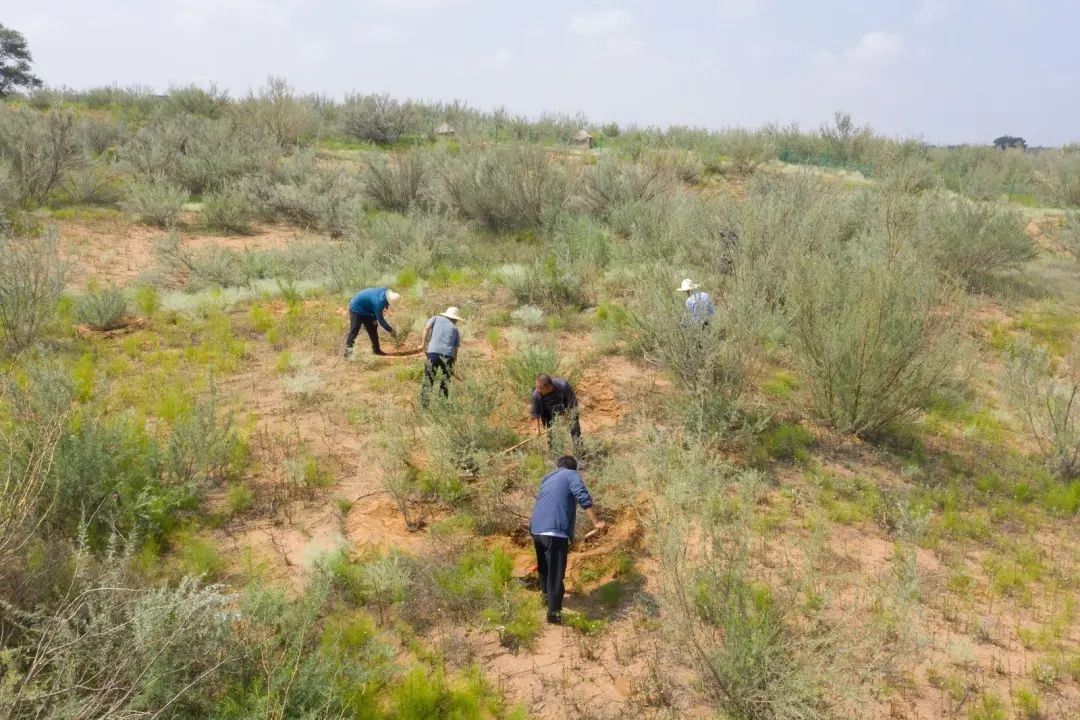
(854, 493)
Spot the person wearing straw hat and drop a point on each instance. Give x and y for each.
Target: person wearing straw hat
(368, 307)
(698, 303)
(442, 339)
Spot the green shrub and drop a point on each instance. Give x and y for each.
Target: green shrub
(395, 183)
(1061, 179)
(375, 118)
(787, 442)
(1046, 401)
(102, 309)
(32, 277)
(876, 335)
(549, 284)
(611, 184)
(39, 150)
(301, 192)
(94, 183)
(202, 448)
(156, 202)
(972, 241)
(227, 210)
(506, 188)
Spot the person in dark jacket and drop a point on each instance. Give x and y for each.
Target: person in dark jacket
(553, 397)
(367, 308)
(552, 528)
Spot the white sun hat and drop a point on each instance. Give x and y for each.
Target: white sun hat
(392, 297)
(688, 285)
(452, 313)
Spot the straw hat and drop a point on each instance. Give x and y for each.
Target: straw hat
(451, 313)
(688, 285)
(392, 297)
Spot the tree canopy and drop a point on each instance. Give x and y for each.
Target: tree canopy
(15, 62)
(1010, 141)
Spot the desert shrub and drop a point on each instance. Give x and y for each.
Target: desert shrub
(220, 152)
(99, 133)
(527, 361)
(1046, 399)
(417, 240)
(505, 188)
(610, 184)
(375, 118)
(875, 332)
(29, 447)
(32, 277)
(227, 210)
(1061, 179)
(39, 150)
(279, 113)
(102, 309)
(755, 654)
(309, 196)
(156, 150)
(193, 100)
(94, 183)
(203, 447)
(1069, 234)
(156, 202)
(683, 165)
(395, 183)
(114, 649)
(972, 241)
(742, 152)
(467, 428)
(549, 283)
(910, 176)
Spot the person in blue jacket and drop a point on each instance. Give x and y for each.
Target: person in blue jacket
(552, 528)
(367, 308)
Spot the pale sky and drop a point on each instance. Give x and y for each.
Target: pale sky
(949, 71)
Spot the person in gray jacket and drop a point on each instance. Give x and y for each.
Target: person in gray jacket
(442, 339)
(552, 528)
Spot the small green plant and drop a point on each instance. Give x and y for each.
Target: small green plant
(147, 300)
(198, 556)
(239, 499)
(1027, 704)
(787, 442)
(102, 309)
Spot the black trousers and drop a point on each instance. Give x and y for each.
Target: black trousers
(551, 555)
(548, 416)
(356, 320)
(436, 365)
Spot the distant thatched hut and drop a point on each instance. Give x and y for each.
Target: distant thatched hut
(582, 139)
(445, 130)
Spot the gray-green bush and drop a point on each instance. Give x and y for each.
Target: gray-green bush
(32, 277)
(972, 241)
(395, 183)
(875, 332)
(39, 151)
(1048, 402)
(102, 309)
(505, 188)
(227, 210)
(156, 202)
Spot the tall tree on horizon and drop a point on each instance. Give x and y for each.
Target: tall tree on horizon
(15, 62)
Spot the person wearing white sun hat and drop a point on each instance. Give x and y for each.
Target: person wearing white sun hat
(698, 303)
(368, 307)
(442, 339)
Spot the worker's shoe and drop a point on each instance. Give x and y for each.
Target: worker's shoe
(380, 353)
(348, 353)
(554, 618)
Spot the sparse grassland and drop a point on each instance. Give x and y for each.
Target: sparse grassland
(854, 493)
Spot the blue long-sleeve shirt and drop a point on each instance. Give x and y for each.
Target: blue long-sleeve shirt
(371, 302)
(555, 512)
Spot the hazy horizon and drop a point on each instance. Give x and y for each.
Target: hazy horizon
(947, 71)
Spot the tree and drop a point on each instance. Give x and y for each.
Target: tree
(1009, 141)
(15, 62)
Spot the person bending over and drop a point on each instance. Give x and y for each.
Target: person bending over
(552, 528)
(367, 308)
